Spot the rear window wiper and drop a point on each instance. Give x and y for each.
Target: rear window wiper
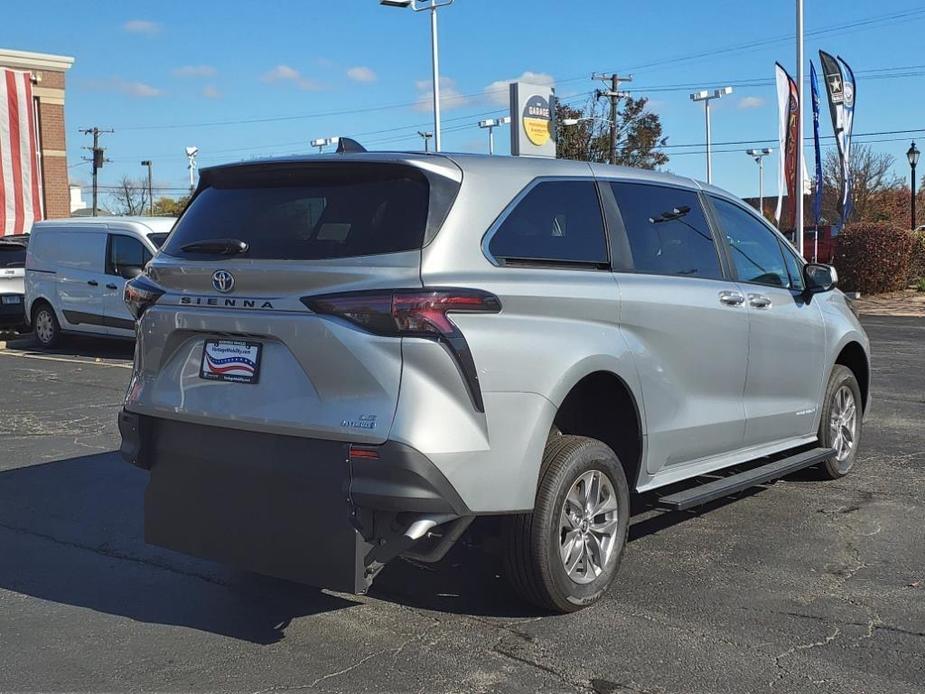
(221, 246)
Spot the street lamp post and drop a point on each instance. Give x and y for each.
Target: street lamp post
(322, 142)
(491, 124)
(759, 155)
(147, 162)
(433, 6)
(191, 153)
(426, 135)
(913, 156)
(706, 97)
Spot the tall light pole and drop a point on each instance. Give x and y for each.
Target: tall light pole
(798, 237)
(706, 97)
(433, 6)
(759, 155)
(426, 135)
(322, 142)
(147, 162)
(191, 154)
(913, 156)
(491, 124)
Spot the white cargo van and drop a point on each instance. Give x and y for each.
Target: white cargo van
(76, 271)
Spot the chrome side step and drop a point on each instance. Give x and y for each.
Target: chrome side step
(717, 489)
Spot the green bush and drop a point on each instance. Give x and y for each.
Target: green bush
(917, 257)
(873, 257)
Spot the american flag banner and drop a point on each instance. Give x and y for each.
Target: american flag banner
(20, 182)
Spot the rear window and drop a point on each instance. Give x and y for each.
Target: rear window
(158, 238)
(12, 254)
(309, 213)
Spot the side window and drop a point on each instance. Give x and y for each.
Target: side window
(556, 221)
(794, 268)
(755, 250)
(127, 256)
(667, 230)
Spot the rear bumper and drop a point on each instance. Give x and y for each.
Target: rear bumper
(286, 506)
(12, 315)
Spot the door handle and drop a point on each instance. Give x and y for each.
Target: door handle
(759, 301)
(93, 283)
(731, 298)
(111, 286)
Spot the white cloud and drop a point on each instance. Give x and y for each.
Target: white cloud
(142, 26)
(127, 87)
(195, 71)
(284, 73)
(747, 102)
(498, 91)
(361, 74)
(210, 91)
(450, 96)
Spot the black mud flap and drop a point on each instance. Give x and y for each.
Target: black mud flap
(275, 505)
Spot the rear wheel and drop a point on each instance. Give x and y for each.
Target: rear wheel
(45, 326)
(840, 425)
(565, 554)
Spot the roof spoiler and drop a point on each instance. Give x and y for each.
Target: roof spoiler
(346, 145)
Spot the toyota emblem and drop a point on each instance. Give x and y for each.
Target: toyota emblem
(223, 281)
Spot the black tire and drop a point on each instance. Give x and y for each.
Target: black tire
(49, 334)
(532, 560)
(842, 377)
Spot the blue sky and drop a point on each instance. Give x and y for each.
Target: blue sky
(164, 74)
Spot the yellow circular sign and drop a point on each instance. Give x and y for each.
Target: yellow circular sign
(537, 120)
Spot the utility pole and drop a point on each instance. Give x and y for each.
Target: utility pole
(96, 159)
(147, 162)
(615, 95)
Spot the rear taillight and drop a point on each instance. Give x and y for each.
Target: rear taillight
(414, 313)
(140, 294)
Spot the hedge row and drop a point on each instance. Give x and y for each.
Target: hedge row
(874, 257)
(917, 257)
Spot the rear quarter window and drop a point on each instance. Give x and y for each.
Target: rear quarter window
(310, 213)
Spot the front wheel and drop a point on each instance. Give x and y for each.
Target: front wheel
(565, 554)
(840, 425)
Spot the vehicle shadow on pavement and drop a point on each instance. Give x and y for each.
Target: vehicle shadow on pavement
(71, 532)
(75, 346)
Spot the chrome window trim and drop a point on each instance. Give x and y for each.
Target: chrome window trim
(512, 205)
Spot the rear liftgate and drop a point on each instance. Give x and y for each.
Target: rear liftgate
(323, 513)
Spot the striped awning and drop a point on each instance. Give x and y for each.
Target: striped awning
(20, 182)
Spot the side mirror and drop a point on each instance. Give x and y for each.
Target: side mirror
(130, 272)
(819, 277)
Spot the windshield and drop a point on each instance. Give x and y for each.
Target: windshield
(308, 213)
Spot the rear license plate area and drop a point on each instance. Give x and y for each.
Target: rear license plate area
(237, 361)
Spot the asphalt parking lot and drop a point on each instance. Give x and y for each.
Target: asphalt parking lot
(802, 586)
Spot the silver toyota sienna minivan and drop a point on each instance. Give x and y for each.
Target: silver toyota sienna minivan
(344, 359)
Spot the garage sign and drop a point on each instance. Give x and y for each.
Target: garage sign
(532, 120)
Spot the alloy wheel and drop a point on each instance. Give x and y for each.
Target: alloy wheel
(843, 419)
(588, 526)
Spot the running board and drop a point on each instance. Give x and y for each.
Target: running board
(717, 489)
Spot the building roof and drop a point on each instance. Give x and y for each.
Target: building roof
(27, 60)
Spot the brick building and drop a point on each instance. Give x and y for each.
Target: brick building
(48, 77)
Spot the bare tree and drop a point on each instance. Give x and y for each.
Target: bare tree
(130, 197)
(639, 134)
(871, 177)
